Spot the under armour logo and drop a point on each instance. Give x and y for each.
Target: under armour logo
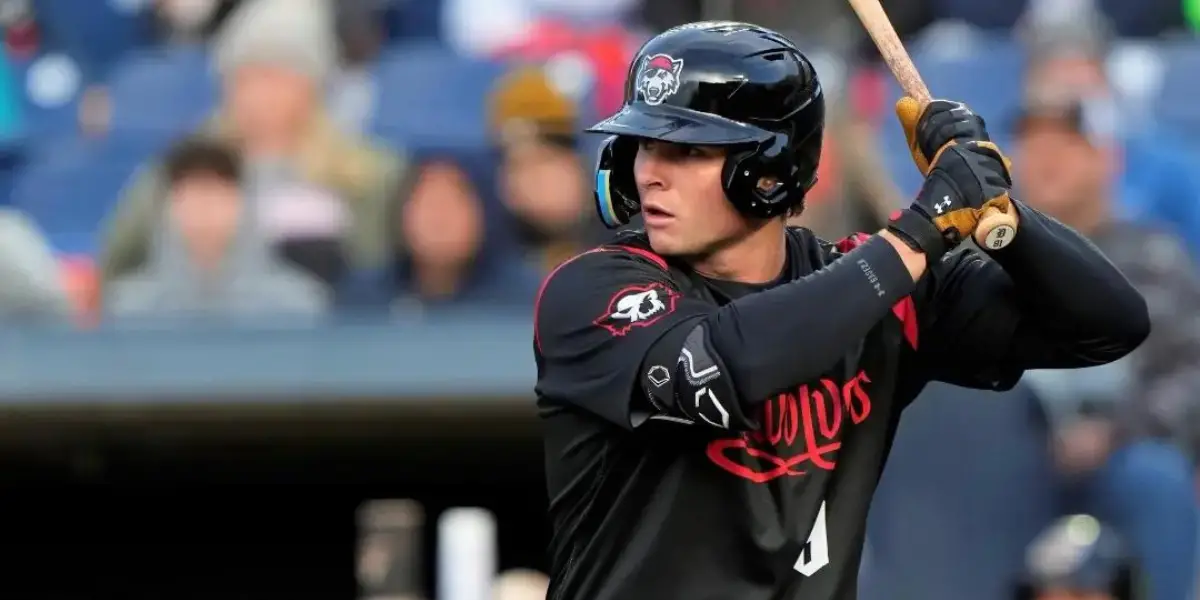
(941, 207)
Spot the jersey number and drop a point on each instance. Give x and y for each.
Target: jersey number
(815, 553)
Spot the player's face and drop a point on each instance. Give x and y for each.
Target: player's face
(683, 201)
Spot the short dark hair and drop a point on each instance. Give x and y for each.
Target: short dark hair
(202, 156)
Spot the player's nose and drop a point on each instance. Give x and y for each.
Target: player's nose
(648, 171)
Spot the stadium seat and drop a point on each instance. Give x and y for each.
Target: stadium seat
(95, 33)
(431, 97)
(414, 19)
(1175, 107)
(49, 88)
(162, 92)
(69, 192)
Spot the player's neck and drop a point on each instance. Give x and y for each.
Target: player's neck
(755, 259)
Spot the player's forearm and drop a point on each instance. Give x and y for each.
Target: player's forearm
(791, 334)
(1067, 286)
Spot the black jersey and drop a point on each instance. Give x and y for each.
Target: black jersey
(648, 505)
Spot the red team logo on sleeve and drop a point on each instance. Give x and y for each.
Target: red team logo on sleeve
(637, 306)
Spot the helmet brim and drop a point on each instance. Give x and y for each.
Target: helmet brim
(680, 126)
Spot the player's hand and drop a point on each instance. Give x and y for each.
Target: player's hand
(942, 122)
(963, 180)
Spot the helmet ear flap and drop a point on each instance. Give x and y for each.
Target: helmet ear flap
(762, 181)
(616, 194)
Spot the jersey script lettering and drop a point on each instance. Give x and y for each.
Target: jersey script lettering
(798, 431)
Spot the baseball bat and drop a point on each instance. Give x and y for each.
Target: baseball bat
(996, 229)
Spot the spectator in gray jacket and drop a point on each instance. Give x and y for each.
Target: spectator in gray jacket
(209, 257)
(30, 287)
(1122, 433)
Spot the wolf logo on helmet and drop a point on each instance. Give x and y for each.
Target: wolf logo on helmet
(658, 78)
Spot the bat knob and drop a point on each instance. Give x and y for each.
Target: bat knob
(995, 230)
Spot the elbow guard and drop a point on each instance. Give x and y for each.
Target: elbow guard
(696, 387)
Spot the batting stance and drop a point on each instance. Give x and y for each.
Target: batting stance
(720, 392)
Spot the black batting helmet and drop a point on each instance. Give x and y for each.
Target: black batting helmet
(719, 83)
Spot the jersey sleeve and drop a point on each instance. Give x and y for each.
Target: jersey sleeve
(606, 324)
(969, 323)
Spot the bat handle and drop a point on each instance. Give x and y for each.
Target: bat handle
(996, 229)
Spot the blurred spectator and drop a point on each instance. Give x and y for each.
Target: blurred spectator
(588, 62)
(352, 89)
(208, 258)
(1158, 182)
(486, 26)
(30, 286)
(21, 34)
(543, 178)
(330, 192)
(1118, 428)
(190, 21)
(828, 209)
(1077, 558)
(521, 584)
(443, 228)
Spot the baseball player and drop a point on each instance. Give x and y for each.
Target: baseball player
(720, 392)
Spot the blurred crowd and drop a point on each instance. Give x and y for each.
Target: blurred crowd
(243, 159)
(224, 158)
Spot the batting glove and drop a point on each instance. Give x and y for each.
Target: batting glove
(964, 179)
(965, 173)
(943, 122)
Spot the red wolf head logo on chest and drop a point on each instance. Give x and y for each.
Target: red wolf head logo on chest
(797, 431)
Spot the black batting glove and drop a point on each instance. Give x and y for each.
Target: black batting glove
(965, 172)
(965, 179)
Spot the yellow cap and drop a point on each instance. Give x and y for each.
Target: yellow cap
(526, 102)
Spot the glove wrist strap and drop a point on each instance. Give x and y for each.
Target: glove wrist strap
(918, 232)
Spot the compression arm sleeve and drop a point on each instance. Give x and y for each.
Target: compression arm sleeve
(790, 334)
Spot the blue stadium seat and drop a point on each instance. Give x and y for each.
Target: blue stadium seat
(430, 96)
(71, 190)
(49, 88)
(96, 33)
(1176, 108)
(991, 15)
(164, 92)
(414, 19)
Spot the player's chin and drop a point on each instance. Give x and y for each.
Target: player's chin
(669, 243)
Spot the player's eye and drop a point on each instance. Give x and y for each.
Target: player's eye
(647, 145)
(663, 150)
